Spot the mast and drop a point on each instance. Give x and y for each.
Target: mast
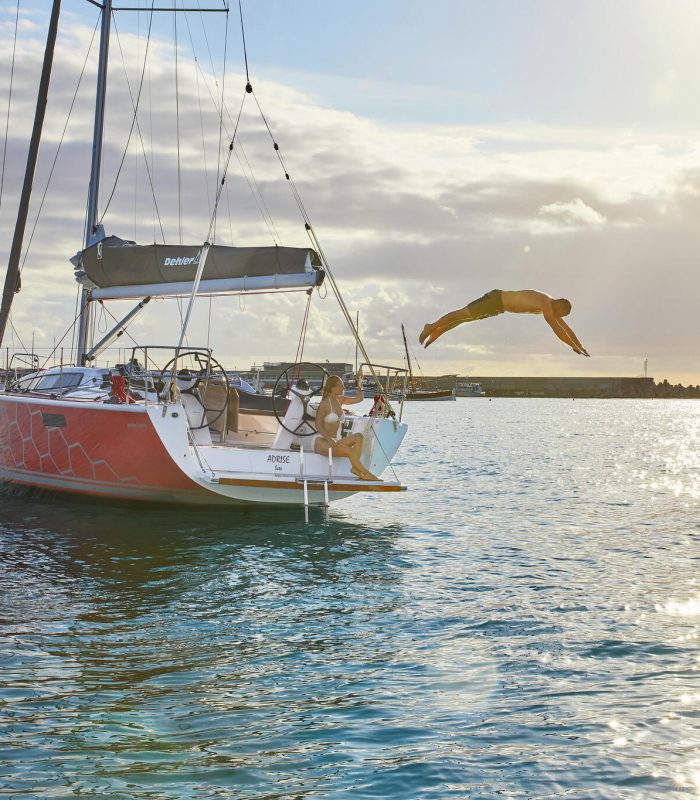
(12, 278)
(357, 328)
(408, 358)
(91, 233)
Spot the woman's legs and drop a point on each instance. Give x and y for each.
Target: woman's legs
(351, 448)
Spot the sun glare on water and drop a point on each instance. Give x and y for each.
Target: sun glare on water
(684, 608)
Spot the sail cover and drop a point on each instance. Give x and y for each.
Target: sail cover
(115, 267)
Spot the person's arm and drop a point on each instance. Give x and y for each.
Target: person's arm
(564, 332)
(350, 401)
(572, 336)
(359, 397)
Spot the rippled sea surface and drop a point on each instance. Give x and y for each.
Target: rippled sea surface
(522, 623)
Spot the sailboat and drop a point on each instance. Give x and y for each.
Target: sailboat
(169, 426)
(422, 394)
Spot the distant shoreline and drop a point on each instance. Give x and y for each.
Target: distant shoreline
(604, 387)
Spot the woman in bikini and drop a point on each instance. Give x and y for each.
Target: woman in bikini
(329, 421)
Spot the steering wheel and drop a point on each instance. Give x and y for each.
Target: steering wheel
(283, 386)
(206, 373)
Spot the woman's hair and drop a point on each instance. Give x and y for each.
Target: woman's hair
(331, 382)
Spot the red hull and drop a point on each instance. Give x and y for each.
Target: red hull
(89, 450)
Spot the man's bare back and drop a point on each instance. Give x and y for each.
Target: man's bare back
(522, 301)
(525, 301)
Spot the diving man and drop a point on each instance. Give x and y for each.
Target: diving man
(523, 301)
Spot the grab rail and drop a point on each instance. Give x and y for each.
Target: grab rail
(391, 373)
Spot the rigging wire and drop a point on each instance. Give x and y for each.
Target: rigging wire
(315, 242)
(304, 325)
(201, 115)
(135, 121)
(136, 151)
(300, 204)
(255, 191)
(206, 40)
(211, 297)
(16, 333)
(245, 53)
(9, 103)
(177, 124)
(212, 221)
(56, 345)
(212, 237)
(77, 306)
(124, 328)
(247, 170)
(230, 218)
(209, 321)
(58, 150)
(152, 151)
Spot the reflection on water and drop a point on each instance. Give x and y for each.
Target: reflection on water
(687, 608)
(523, 623)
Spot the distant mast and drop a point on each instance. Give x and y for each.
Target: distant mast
(357, 329)
(408, 358)
(12, 278)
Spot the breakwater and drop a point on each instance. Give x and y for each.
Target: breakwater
(601, 387)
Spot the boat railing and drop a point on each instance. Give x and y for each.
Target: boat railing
(153, 369)
(17, 365)
(391, 379)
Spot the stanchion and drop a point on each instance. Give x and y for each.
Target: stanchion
(326, 499)
(306, 484)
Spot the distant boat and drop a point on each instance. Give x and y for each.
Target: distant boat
(469, 389)
(426, 394)
(422, 394)
(370, 387)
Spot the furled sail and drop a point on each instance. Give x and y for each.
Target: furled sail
(117, 268)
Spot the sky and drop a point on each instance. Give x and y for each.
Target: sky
(440, 149)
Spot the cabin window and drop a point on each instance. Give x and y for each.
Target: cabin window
(59, 381)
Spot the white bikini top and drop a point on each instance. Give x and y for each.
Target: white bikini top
(331, 418)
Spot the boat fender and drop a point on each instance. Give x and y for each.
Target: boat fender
(118, 392)
(379, 407)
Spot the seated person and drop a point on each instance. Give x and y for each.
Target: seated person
(329, 421)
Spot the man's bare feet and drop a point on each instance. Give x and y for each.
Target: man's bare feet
(433, 336)
(425, 333)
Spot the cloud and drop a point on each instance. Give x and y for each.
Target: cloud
(574, 212)
(415, 219)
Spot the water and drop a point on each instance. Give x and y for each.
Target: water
(522, 623)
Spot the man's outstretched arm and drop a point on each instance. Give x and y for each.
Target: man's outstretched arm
(572, 336)
(564, 332)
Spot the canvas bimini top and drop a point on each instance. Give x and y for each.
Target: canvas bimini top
(115, 268)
